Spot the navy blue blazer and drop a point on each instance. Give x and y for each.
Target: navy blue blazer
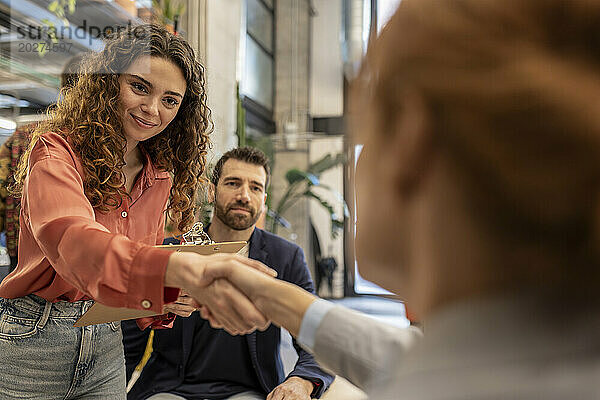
(165, 369)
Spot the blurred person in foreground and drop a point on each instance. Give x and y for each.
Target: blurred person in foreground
(478, 203)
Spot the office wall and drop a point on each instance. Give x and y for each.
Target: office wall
(223, 24)
(212, 27)
(326, 65)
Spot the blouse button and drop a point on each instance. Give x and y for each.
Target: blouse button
(146, 304)
(124, 214)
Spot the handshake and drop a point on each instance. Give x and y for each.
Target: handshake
(235, 293)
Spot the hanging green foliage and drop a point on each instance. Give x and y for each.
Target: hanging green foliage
(60, 8)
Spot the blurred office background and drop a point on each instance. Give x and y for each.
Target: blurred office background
(277, 73)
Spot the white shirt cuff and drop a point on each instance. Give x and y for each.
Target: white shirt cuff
(312, 319)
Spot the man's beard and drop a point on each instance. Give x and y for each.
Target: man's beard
(238, 222)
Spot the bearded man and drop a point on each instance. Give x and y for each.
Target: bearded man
(193, 360)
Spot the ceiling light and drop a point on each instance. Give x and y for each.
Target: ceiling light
(7, 124)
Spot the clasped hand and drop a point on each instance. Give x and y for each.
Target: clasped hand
(203, 288)
(184, 306)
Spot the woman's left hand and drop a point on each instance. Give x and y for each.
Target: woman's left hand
(184, 306)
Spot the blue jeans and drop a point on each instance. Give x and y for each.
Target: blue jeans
(42, 356)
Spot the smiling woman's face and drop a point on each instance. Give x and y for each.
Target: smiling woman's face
(151, 92)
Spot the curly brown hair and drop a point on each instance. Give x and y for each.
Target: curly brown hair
(87, 116)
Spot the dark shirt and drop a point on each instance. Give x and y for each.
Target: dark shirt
(211, 375)
(249, 363)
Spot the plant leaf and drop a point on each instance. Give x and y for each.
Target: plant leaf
(338, 197)
(336, 227)
(323, 202)
(295, 175)
(72, 4)
(336, 223)
(325, 163)
(52, 7)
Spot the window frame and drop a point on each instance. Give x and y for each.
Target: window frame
(259, 116)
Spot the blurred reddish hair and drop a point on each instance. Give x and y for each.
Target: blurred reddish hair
(512, 89)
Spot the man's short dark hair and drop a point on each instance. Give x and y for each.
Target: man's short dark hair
(250, 155)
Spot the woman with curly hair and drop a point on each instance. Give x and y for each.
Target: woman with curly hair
(95, 184)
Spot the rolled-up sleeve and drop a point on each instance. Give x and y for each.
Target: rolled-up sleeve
(108, 267)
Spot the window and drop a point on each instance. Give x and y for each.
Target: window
(258, 75)
(361, 285)
(257, 83)
(259, 24)
(385, 10)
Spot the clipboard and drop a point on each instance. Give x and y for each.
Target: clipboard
(100, 314)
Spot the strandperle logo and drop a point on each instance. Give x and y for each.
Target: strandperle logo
(45, 33)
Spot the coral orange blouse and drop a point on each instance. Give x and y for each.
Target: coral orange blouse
(69, 251)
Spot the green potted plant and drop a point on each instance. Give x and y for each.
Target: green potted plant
(301, 184)
(167, 12)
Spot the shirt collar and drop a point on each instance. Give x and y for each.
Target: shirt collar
(149, 171)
